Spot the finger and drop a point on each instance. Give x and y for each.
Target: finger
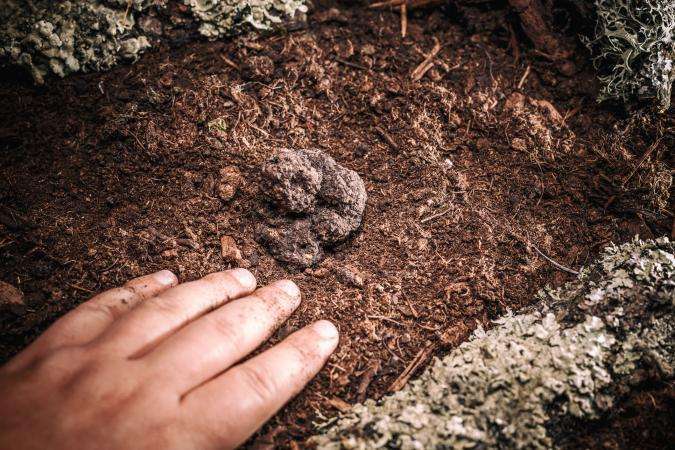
(91, 318)
(254, 390)
(162, 315)
(217, 340)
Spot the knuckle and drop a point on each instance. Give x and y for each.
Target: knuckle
(272, 294)
(302, 352)
(258, 382)
(169, 307)
(223, 327)
(62, 361)
(112, 304)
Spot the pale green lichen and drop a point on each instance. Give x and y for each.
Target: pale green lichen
(92, 35)
(68, 37)
(634, 48)
(224, 17)
(571, 356)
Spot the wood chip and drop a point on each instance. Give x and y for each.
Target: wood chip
(339, 404)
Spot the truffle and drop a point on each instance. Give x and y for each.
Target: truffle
(318, 203)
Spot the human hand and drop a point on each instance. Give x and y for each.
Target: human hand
(154, 365)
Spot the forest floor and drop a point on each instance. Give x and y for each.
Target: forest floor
(485, 176)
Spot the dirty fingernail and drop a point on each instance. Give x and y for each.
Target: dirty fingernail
(165, 277)
(244, 277)
(325, 329)
(290, 288)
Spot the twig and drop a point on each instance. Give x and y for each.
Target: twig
(350, 64)
(644, 157)
(410, 3)
(388, 139)
(524, 77)
(427, 64)
(230, 63)
(435, 216)
(80, 288)
(386, 319)
(557, 264)
(417, 361)
(404, 18)
(366, 379)
(339, 404)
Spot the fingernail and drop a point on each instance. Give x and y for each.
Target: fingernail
(290, 288)
(326, 330)
(244, 277)
(165, 277)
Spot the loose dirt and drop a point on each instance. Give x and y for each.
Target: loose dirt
(488, 178)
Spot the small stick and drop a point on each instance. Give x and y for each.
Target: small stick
(524, 77)
(411, 3)
(416, 362)
(386, 319)
(350, 64)
(644, 157)
(558, 265)
(387, 138)
(230, 63)
(338, 404)
(435, 216)
(571, 113)
(80, 288)
(404, 18)
(366, 379)
(428, 62)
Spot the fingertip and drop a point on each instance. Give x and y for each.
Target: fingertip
(244, 277)
(165, 278)
(289, 288)
(326, 330)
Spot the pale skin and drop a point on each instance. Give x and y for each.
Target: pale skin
(161, 365)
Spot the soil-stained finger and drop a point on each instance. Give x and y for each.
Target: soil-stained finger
(160, 316)
(93, 317)
(215, 341)
(254, 390)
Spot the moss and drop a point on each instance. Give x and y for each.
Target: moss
(94, 35)
(571, 356)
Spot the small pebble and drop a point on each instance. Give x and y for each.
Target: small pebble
(229, 250)
(10, 297)
(229, 183)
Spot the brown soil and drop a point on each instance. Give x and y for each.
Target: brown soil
(471, 181)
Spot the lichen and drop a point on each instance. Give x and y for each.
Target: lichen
(225, 17)
(94, 35)
(572, 355)
(634, 49)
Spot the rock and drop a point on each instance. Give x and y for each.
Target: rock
(10, 297)
(316, 203)
(350, 275)
(229, 183)
(294, 243)
(229, 250)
